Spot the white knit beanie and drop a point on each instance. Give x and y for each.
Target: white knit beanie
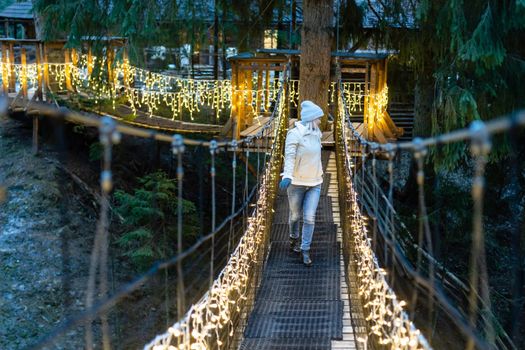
(310, 111)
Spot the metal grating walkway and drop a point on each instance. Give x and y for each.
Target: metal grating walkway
(297, 307)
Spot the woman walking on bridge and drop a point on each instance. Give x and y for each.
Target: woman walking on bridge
(303, 176)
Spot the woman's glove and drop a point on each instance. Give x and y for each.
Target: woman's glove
(283, 185)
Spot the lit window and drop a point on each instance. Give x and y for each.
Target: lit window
(270, 39)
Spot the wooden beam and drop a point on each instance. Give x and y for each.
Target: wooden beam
(46, 68)
(259, 92)
(267, 91)
(5, 70)
(235, 113)
(248, 118)
(39, 72)
(125, 67)
(89, 60)
(67, 68)
(12, 76)
(23, 72)
(109, 58)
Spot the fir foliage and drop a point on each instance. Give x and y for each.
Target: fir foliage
(472, 51)
(150, 214)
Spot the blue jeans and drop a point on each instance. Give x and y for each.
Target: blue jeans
(303, 200)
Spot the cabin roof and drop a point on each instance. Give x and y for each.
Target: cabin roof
(18, 10)
(272, 53)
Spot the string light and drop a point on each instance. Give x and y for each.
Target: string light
(388, 321)
(354, 92)
(205, 319)
(377, 105)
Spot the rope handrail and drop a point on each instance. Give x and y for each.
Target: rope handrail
(192, 328)
(478, 132)
(275, 122)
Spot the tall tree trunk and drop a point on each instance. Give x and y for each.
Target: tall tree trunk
(294, 20)
(316, 37)
(216, 41)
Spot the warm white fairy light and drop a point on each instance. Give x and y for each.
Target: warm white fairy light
(354, 93)
(388, 321)
(204, 321)
(377, 105)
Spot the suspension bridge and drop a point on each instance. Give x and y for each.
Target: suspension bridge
(258, 295)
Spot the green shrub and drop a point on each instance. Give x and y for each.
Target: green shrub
(150, 214)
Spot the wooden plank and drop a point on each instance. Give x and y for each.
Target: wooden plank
(353, 70)
(262, 67)
(252, 130)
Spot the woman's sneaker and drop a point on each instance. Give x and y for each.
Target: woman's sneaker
(306, 258)
(294, 245)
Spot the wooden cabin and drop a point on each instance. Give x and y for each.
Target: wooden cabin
(17, 21)
(364, 76)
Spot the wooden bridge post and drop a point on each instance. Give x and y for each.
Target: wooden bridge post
(235, 102)
(125, 67)
(89, 60)
(12, 75)
(67, 61)
(23, 71)
(248, 117)
(241, 81)
(366, 99)
(370, 112)
(39, 73)
(46, 68)
(259, 92)
(35, 134)
(267, 91)
(5, 70)
(109, 59)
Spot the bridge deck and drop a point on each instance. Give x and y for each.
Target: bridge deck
(298, 307)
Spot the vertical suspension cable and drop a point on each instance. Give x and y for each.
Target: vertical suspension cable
(178, 149)
(213, 151)
(363, 160)
(246, 189)
(234, 172)
(258, 162)
(99, 254)
(375, 211)
(391, 152)
(478, 275)
(420, 152)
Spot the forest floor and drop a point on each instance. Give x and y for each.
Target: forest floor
(47, 227)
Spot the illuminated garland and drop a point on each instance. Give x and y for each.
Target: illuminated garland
(354, 93)
(205, 319)
(385, 314)
(377, 105)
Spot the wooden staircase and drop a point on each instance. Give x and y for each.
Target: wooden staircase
(402, 113)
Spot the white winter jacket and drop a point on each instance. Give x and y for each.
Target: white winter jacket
(302, 156)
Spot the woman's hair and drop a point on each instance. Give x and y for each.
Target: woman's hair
(311, 126)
